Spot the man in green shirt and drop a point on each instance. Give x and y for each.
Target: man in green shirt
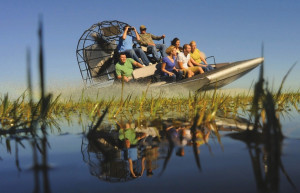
(124, 67)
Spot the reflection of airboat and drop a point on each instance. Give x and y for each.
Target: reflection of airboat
(105, 155)
(96, 56)
(108, 160)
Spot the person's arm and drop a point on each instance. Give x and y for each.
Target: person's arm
(141, 137)
(163, 69)
(170, 127)
(137, 64)
(180, 61)
(206, 136)
(203, 60)
(157, 37)
(196, 64)
(136, 34)
(190, 63)
(180, 64)
(118, 72)
(131, 168)
(125, 78)
(150, 38)
(125, 33)
(143, 166)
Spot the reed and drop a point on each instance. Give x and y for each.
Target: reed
(21, 112)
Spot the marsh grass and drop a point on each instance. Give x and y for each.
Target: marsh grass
(15, 114)
(267, 137)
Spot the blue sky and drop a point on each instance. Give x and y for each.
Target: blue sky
(229, 30)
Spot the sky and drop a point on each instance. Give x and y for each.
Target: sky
(229, 30)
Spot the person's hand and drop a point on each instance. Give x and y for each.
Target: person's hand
(133, 175)
(170, 74)
(176, 69)
(139, 65)
(163, 36)
(133, 28)
(125, 78)
(151, 44)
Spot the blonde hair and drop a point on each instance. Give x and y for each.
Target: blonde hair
(192, 42)
(169, 50)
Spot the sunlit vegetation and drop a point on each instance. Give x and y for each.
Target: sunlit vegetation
(19, 113)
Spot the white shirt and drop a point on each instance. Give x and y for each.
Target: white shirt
(184, 59)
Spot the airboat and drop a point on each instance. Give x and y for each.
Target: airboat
(97, 55)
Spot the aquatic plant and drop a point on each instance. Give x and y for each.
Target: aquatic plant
(267, 133)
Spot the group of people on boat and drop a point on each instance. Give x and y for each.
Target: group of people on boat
(175, 62)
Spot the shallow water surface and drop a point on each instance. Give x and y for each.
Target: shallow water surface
(161, 161)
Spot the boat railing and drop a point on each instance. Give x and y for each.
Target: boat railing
(212, 58)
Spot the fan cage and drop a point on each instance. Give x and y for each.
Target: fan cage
(96, 52)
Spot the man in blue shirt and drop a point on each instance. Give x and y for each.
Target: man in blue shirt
(126, 43)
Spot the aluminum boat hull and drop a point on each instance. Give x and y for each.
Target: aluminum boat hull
(224, 74)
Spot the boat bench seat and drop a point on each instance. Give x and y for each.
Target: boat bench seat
(146, 71)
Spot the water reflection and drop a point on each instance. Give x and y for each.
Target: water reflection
(122, 153)
(264, 145)
(127, 150)
(37, 139)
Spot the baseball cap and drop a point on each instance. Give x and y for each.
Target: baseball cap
(142, 27)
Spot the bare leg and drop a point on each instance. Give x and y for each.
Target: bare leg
(190, 73)
(201, 70)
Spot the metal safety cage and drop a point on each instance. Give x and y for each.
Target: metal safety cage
(96, 52)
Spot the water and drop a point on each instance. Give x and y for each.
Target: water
(225, 164)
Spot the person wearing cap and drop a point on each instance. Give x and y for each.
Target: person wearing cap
(146, 39)
(126, 45)
(124, 67)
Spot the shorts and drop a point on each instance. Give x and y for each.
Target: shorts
(194, 69)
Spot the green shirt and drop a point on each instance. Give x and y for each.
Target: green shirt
(148, 38)
(125, 69)
(128, 134)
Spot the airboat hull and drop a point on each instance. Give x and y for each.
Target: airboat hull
(224, 74)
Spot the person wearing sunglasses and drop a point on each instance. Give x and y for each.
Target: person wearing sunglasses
(146, 39)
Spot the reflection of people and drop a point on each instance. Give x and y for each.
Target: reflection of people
(182, 136)
(169, 72)
(124, 67)
(151, 156)
(130, 138)
(147, 40)
(126, 43)
(131, 168)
